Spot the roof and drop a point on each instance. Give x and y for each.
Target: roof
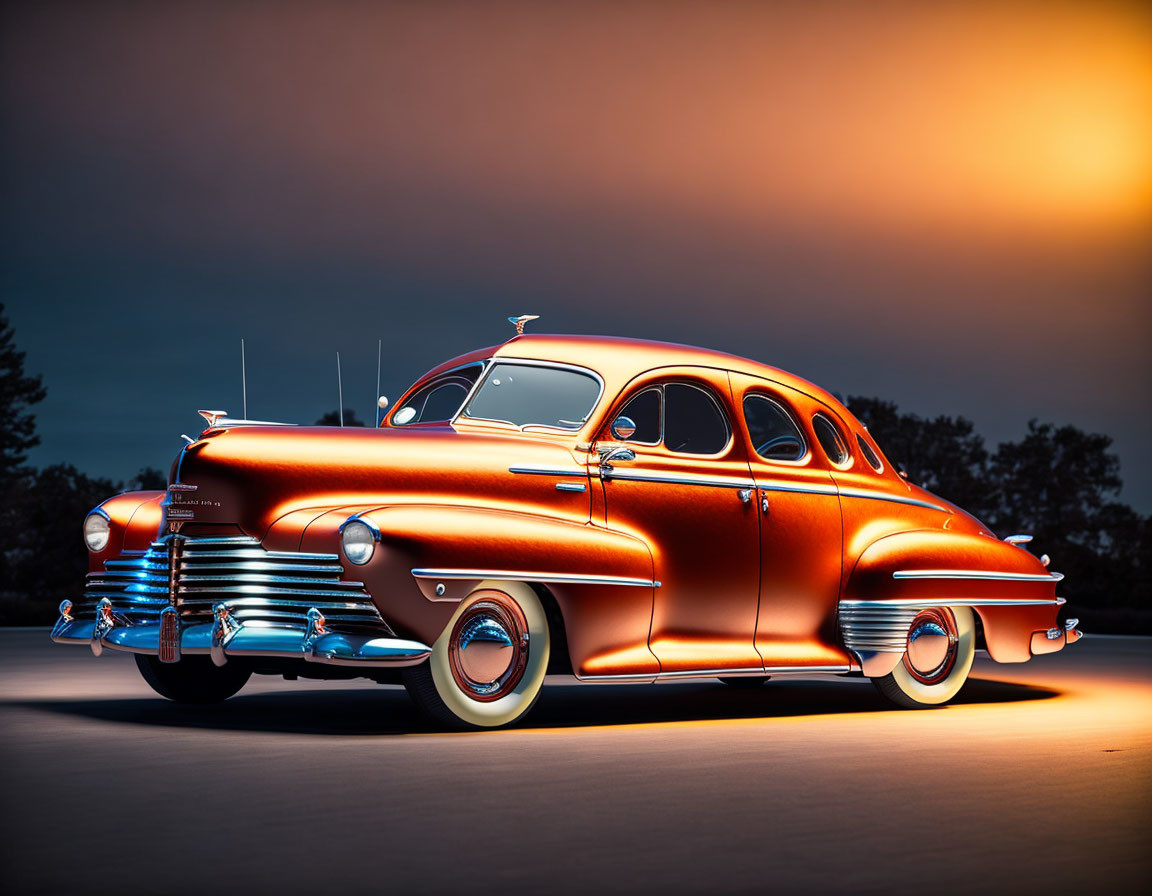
(620, 359)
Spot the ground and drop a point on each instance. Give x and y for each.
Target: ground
(1038, 779)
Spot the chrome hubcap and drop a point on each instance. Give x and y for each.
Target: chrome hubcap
(489, 647)
(485, 649)
(931, 650)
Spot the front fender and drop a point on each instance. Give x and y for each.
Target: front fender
(606, 617)
(134, 519)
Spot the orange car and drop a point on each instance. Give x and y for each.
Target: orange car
(608, 508)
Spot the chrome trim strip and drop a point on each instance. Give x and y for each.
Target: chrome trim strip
(976, 574)
(533, 470)
(813, 489)
(954, 602)
(570, 487)
(885, 496)
(510, 576)
(680, 479)
(718, 673)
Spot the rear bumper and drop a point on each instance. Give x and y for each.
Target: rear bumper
(222, 640)
(1056, 638)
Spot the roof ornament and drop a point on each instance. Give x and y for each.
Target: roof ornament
(521, 320)
(212, 417)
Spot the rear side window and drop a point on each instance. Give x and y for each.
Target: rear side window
(775, 435)
(830, 440)
(869, 454)
(693, 421)
(644, 411)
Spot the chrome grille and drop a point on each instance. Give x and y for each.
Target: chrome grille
(871, 626)
(267, 587)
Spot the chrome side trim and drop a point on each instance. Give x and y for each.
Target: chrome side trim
(680, 479)
(885, 496)
(510, 576)
(570, 487)
(812, 489)
(1018, 539)
(955, 602)
(976, 574)
(533, 470)
(721, 673)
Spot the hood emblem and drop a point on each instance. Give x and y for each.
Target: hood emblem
(518, 321)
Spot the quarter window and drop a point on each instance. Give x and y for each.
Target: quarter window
(830, 440)
(869, 454)
(644, 411)
(439, 400)
(693, 421)
(775, 435)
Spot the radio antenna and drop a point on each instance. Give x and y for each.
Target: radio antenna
(244, 379)
(340, 388)
(376, 400)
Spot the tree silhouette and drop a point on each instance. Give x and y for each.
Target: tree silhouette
(17, 395)
(332, 418)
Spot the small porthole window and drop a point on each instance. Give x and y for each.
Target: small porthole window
(830, 440)
(869, 454)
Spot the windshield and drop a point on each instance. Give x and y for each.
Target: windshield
(531, 395)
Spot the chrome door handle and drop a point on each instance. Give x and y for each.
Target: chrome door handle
(745, 495)
(764, 503)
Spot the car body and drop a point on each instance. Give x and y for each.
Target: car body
(616, 509)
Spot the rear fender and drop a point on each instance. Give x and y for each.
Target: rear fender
(1010, 590)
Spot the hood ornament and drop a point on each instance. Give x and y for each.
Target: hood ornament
(213, 417)
(521, 320)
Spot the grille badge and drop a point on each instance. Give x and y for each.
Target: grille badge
(169, 635)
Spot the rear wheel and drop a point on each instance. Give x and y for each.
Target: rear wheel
(487, 668)
(940, 648)
(194, 679)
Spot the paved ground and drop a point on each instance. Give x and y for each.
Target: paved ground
(1038, 780)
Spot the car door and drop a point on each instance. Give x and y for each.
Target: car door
(685, 491)
(800, 527)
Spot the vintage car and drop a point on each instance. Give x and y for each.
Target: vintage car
(612, 509)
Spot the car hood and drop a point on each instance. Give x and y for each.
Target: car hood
(250, 476)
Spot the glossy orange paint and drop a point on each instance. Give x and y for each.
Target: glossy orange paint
(752, 556)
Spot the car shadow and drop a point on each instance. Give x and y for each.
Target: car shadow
(389, 711)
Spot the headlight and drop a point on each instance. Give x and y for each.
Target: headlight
(359, 541)
(96, 530)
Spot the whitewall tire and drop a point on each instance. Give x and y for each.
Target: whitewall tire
(936, 663)
(488, 665)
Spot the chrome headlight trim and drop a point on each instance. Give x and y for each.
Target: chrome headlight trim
(97, 530)
(358, 537)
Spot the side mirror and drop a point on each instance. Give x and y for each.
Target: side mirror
(623, 428)
(404, 415)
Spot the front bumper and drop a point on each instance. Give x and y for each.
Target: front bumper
(221, 640)
(228, 596)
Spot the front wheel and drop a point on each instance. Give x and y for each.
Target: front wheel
(194, 679)
(940, 649)
(487, 668)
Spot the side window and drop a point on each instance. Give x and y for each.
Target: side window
(644, 411)
(830, 440)
(440, 399)
(693, 421)
(775, 435)
(869, 454)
